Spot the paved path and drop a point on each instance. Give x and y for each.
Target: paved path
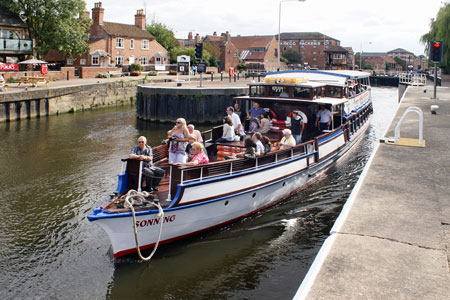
(151, 80)
(392, 238)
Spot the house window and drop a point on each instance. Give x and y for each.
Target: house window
(144, 44)
(131, 44)
(157, 60)
(83, 61)
(144, 60)
(119, 42)
(95, 60)
(119, 60)
(69, 62)
(235, 54)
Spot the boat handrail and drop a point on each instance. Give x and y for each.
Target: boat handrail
(234, 166)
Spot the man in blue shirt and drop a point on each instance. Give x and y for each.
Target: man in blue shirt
(253, 113)
(152, 174)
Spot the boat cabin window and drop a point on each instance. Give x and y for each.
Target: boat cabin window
(257, 91)
(333, 91)
(319, 92)
(278, 91)
(302, 93)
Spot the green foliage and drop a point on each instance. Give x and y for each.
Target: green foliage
(135, 68)
(440, 31)
(213, 62)
(163, 35)
(54, 24)
(400, 62)
(242, 66)
(104, 75)
(292, 57)
(212, 48)
(284, 59)
(178, 51)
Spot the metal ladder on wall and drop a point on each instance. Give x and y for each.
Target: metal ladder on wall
(397, 140)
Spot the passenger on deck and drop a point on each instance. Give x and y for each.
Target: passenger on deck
(152, 174)
(166, 141)
(250, 150)
(323, 120)
(297, 126)
(288, 140)
(254, 112)
(237, 126)
(257, 138)
(178, 142)
(200, 157)
(192, 138)
(192, 130)
(263, 123)
(242, 115)
(228, 131)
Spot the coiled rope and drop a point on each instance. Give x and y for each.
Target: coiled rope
(134, 197)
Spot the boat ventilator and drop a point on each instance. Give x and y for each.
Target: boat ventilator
(397, 140)
(134, 197)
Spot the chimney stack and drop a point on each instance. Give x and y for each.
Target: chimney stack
(215, 33)
(139, 19)
(97, 14)
(190, 36)
(197, 38)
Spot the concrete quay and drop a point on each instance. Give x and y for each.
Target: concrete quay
(392, 238)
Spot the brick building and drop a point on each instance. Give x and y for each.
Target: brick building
(115, 44)
(317, 50)
(259, 53)
(228, 53)
(15, 43)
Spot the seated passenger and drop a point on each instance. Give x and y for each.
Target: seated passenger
(288, 140)
(228, 131)
(200, 157)
(250, 150)
(263, 123)
(192, 138)
(257, 138)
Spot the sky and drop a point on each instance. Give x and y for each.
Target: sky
(370, 26)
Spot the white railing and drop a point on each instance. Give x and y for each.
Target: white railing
(420, 114)
(413, 78)
(233, 169)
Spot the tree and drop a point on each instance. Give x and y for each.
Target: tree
(212, 48)
(400, 62)
(213, 61)
(440, 31)
(178, 51)
(292, 56)
(163, 35)
(54, 24)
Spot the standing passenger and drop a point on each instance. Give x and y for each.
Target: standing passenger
(324, 117)
(178, 142)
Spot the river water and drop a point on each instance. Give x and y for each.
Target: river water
(54, 171)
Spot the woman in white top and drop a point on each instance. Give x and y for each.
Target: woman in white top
(228, 131)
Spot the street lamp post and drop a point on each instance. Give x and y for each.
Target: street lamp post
(279, 29)
(360, 56)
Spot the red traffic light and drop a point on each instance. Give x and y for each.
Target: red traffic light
(436, 45)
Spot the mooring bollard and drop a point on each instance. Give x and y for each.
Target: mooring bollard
(234, 77)
(229, 78)
(259, 78)
(238, 76)
(212, 77)
(221, 76)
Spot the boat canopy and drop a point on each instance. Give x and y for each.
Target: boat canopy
(301, 77)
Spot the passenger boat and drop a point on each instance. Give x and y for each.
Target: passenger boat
(193, 199)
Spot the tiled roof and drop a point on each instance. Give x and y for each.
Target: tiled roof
(255, 56)
(374, 54)
(304, 36)
(247, 42)
(400, 50)
(213, 38)
(9, 19)
(336, 49)
(125, 30)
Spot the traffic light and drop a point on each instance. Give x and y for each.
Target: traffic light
(199, 51)
(436, 51)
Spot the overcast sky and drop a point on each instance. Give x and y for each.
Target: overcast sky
(376, 26)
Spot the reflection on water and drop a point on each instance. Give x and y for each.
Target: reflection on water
(53, 171)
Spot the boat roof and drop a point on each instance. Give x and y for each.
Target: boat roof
(319, 101)
(339, 77)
